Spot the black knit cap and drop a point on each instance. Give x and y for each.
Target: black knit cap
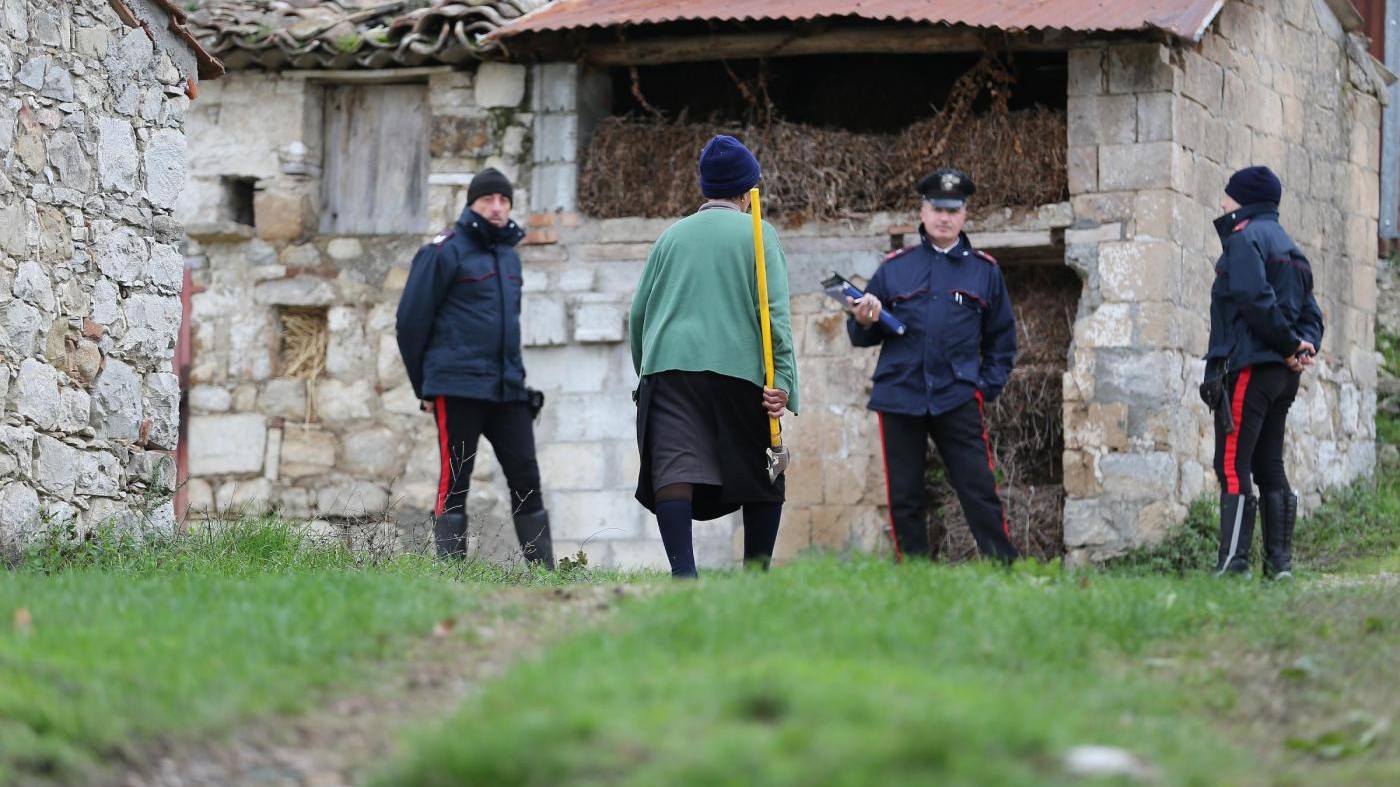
(727, 168)
(1253, 185)
(487, 182)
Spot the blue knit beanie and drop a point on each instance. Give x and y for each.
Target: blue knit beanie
(1253, 185)
(727, 168)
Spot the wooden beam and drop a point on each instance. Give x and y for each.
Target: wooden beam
(1014, 239)
(833, 42)
(367, 76)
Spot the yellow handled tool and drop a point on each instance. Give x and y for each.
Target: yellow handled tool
(778, 456)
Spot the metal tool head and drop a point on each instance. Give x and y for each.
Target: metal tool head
(778, 461)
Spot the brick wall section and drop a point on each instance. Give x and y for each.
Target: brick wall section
(1155, 131)
(92, 157)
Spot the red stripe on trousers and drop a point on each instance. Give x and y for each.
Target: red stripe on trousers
(445, 479)
(889, 496)
(1232, 440)
(992, 464)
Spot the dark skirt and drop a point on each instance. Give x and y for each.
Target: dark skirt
(702, 428)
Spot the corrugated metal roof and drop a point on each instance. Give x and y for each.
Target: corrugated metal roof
(1183, 18)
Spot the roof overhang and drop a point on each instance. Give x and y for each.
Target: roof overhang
(612, 32)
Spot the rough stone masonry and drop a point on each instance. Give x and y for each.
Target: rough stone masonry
(1154, 133)
(1154, 129)
(92, 158)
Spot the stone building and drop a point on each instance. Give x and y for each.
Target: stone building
(298, 401)
(93, 99)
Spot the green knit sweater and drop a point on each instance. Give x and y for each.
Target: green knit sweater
(696, 307)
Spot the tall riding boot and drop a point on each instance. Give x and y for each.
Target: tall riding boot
(1280, 510)
(450, 535)
(535, 542)
(1236, 534)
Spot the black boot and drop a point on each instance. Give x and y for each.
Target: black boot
(1236, 534)
(1280, 510)
(450, 534)
(535, 543)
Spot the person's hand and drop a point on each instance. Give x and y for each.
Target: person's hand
(775, 401)
(1302, 357)
(425, 405)
(866, 309)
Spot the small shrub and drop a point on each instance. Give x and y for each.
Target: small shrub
(1191, 547)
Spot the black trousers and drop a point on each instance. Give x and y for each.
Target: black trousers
(961, 438)
(461, 424)
(1258, 397)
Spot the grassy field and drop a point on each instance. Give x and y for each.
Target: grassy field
(858, 673)
(823, 672)
(114, 642)
(866, 673)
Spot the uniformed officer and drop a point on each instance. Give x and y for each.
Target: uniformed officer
(933, 381)
(1265, 328)
(459, 335)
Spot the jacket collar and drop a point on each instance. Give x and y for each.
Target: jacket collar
(487, 234)
(1229, 224)
(960, 249)
(719, 204)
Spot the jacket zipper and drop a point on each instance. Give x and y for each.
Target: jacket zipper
(501, 346)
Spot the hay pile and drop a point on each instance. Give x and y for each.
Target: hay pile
(304, 341)
(1026, 424)
(647, 167)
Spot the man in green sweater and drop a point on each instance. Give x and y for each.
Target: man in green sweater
(702, 414)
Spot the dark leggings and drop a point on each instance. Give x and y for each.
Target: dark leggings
(1259, 398)
(673, 516)
(461, 425)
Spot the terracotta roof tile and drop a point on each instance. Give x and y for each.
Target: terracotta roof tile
(351, 33)
(209, 66)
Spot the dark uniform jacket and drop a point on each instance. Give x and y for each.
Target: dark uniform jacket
(1261, 304)
(960, 334)
(459, 317)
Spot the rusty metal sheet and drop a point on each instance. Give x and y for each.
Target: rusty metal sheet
(1185, 19)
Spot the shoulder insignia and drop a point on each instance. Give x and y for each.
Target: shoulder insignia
(898, 253)
(984, 255)
(443, 237)
(1241, 225)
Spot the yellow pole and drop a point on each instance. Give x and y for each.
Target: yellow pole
(764, 320)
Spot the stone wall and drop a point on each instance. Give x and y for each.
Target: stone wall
(350, 443)
(92, 158)
(1155, 132)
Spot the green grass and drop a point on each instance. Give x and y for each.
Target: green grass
(861, 673)
(823, 672)
(1387, 426)
(129, 640)
(1358, 521)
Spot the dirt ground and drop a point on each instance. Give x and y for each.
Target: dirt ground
(343, 740)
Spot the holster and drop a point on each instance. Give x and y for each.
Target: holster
(536, 402)
(1213, 393)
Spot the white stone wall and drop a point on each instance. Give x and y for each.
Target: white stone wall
(1152, 138)
(351, 444)
(92, 157)
(1155, 133)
